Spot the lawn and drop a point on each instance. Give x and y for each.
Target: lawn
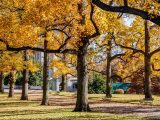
(129, 98)
(61, 106)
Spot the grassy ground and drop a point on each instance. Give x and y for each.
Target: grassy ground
(130, 98)
(120, 98)
(61, 106)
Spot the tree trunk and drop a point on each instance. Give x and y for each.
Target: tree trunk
(25, 80)
(108, 72)
(147, 81)
(82, 73)
(11, 84)
(63, 85)
(1, 82)
(45, 77)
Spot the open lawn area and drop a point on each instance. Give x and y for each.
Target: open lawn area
(120, 107)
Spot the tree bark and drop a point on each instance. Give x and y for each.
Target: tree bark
(147, 80)
(82, 73)
(108, 72)
(63, 85)
(45, 100)
(11, 84)
(24, 95)
(1, 82)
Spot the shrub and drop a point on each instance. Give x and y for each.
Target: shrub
(131, 91)
(97, 84)
(119, 91)
(35, 79)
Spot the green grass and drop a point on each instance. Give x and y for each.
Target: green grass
(14, 109)
(63, 114)
(128, 98)
(119, 98)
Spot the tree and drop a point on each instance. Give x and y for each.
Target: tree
(25, 72)
(147, 63)
(10, 63)
(13, 62)
(63, 66)
(1, 78)
(45, 76)
(147, 57)
(42, 22)
(82, 70)
(1, 82)
(63, 84)
(11, 83)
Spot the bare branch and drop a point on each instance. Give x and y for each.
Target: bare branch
(94, 24)
(93, 70)
(153, 67)
(8, 48)
(129, 48)
(126, 9)
(126, 3)
(154, 52)
(117, 56)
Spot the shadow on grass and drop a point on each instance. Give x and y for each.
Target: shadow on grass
(30, 112)
(97, 117)
(129, 110)
(126, 101)
(16, 103)
(65, 114)
(151, 118)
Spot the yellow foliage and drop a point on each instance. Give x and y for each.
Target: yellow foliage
(62, 67)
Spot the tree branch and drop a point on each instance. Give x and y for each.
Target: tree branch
(94, 24)
(93, 70)
(126, 9)
(129, 48)
(153, 67)
(71, 51)
(126, 3)
(116, 56)
(154, 52)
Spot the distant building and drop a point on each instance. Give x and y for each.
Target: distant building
(54, 83)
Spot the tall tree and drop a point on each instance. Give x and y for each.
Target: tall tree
(11, 83)
(1, 78)
(82, 73)
(24, 95)
(1, 82)
(45, 100)
(63, 84)
(108, 71)
(147, 64)
(147, 54)
(82, 67)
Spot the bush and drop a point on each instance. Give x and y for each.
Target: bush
(119, 91)
(35, 79)
(18, 78)
(97, 84)
(131, 91)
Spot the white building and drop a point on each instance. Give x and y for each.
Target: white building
(54, 83)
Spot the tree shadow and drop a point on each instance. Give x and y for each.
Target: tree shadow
(16, 103)
(129, 110)
(29, 112)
